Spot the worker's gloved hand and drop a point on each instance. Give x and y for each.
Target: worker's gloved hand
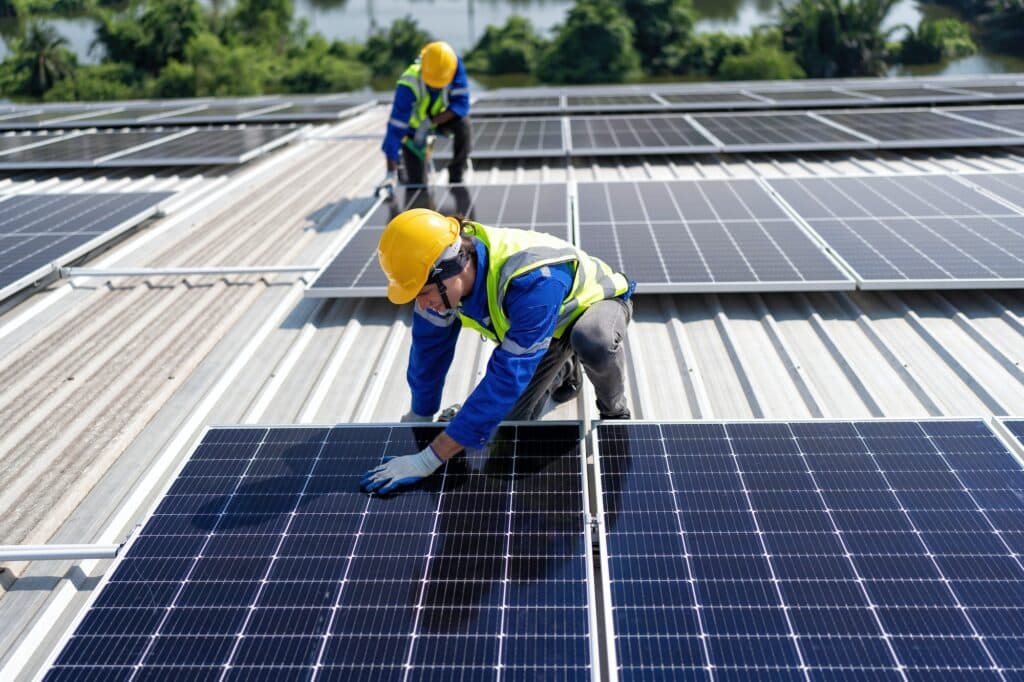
(411, 416)
(398, 471)
(420, 138)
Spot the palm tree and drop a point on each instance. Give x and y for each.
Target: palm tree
(837, 38)
(44, 53)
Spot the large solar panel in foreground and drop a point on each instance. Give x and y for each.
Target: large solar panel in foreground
(912, 231)
(510, 138)
(38, 231)
(1008, 186)
(265, 561)
(706, 235)
(874, 550)
(355, 270)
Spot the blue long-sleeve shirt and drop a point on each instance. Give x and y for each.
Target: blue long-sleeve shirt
(532, 302)
(405, 100)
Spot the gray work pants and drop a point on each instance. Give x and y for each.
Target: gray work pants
(596, 338)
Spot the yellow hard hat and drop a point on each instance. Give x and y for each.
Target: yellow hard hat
(411, 244)
(438, 62)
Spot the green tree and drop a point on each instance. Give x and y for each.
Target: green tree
(837, 38)
(762, 63)
(317, 68)
(512, 48)
(100, 82)
(389, 52)
(1002, 25)
(658, 24)
(595, 45)
(12, 8)
(44, 58)
(262, 22)
(150, 34)
(935, 40)
(704, 53)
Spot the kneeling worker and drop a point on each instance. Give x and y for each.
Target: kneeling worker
(548, 305)
(431, 94)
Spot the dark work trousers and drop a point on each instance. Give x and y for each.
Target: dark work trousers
(596, 338)
(414, 168)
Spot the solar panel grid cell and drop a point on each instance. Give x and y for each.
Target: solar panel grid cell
(451, 579)
(1006, 117)
(232, 145)
(854, 550)
(80, 150)
(912, 230)
(625, 134)
(510, 137)
(913, 128)
(702, 235)
(740, 132)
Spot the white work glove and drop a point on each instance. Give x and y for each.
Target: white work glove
(398, 471)
(420, 138)
(389, 181)
(411, 416)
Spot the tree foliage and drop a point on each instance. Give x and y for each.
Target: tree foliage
(935, 40)
(595, 45)
(762, 63)
(659, 24)
(512, 48)
(150, 34)
(42, 59)
(1002, 26)
(389, 52)
(837, 38)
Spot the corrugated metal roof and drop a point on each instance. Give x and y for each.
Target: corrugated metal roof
(107, 384)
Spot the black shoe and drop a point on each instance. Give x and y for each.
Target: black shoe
(618, 415)
(570, 386)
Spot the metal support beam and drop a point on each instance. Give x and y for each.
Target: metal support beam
(68, 273)
(56, 552)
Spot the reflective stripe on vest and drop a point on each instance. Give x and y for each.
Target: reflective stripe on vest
(512, 253)
(422, 108)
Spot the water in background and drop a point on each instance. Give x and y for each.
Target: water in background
(462, 22)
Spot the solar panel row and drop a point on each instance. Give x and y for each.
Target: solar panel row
(742, 132)
(178, 112)
(683, 98)
(40, 230)
(141, 148)
(787, 234)
(263, 561)
(738, 550)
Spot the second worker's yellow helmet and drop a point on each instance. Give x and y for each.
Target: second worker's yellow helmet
(438, 63)
(410, 245)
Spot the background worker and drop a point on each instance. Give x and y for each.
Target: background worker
(548, 305)
(433, 93)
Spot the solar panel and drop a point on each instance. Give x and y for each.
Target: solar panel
(808, 95)
(872, 550)
(11, 142)
(77, 151)
(510, 138)
(308, 112)
(227, 113)
(355, 271)
(122, 117)
(776, 131)
(211, 147)
(697, 100)
(1008, 186)
(607, 135)
(39, 230)
(265, 561)
(996, 90)
(36, 118)
(705, 235)
(899, 129)
(906, 94)
(501, 105)
(612, 102)
(1007, 117)
(912, 231)
(1015, 427)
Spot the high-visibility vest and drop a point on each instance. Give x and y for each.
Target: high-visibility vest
(423, 108)
(512, 253)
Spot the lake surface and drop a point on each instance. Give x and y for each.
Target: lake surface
(462, 22)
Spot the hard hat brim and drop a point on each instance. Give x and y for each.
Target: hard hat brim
(402, 294)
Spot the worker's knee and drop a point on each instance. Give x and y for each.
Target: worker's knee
(595, 344)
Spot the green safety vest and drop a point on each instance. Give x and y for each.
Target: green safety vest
(512, 253)
(422, 109)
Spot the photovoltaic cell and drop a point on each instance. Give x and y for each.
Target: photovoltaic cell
(881, 550)
(777, 131)
(1015, 427)
(265, 561)
(915, 128)
(495, 105)
(1008, 186)
(209, 147)
(38, 230)
(612, 102)
(696, 99)
(706, 235)
(76, 151)
(355, 270)
(214, 114)
(510, 138)
(806, 95)
(636, 135)
(912, 231)
(1007, 117)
